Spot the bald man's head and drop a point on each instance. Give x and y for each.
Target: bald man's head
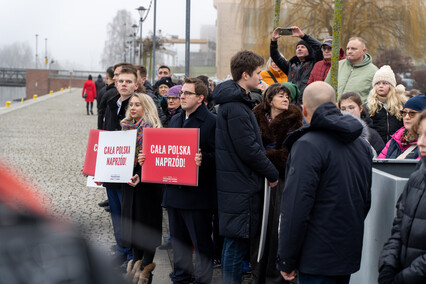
(316, 94)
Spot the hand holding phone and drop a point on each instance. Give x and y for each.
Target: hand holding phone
(285, 32)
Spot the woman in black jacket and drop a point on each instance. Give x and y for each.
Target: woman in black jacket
(276, 118)
(403, 258)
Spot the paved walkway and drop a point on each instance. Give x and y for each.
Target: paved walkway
(45, 140)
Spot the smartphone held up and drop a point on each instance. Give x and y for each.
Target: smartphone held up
(285, 32)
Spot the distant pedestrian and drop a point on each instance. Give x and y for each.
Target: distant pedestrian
(99, 85)
(89, 93)
(327, 193)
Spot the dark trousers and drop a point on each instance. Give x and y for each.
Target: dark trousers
(191, 228)
(303, 278)
(87, 107)
(114, 199)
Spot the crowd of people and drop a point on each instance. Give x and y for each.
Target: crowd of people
(278, 121)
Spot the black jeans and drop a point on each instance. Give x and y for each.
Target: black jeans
(91, 107)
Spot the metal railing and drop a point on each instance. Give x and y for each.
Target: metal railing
(12, 77)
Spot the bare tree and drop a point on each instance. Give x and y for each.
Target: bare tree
(17, 55)
(385, 24)
(118, 34)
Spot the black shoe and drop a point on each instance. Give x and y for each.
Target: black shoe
(103, 203)
(91, 112)
(166, 246)
(107, 209)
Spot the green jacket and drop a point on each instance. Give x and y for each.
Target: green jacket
(355, 78)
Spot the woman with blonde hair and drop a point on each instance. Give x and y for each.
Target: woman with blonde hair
(273, 74)
(141, 212)
(384, 105)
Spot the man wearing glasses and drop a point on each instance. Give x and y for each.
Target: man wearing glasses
(190, 208)
(321, 68)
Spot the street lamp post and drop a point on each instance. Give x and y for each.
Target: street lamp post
(46, 61)
(36, 55)
(141, 11)
(135, 29)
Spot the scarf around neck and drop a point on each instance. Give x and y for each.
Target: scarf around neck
(139, 126)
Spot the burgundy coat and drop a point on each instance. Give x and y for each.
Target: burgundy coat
(89, 88)
(321, 68)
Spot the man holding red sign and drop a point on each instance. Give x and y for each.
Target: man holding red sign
(191, 208)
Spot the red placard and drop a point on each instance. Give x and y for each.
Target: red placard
(91, 153)
(170, 155)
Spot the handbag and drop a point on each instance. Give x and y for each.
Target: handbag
(84, 96)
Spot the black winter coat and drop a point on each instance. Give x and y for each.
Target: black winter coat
(374, 137)
(110, 92)
(298, 72)
(141, 215)
(203, 196)
(112, 119)
(150, 92)
(385, 123)
(403, 258)
(326, 195)
(274, 133)
(241, 163)
(99, 83)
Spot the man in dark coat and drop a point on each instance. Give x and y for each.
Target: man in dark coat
(143, 82)
(299, 67)
(190, 209)
(99, 83)
(105, 94)
(326, 194)
(241, 165)
(115, 111)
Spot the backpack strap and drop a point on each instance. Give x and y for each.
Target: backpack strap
(406, 152)
(272, 76)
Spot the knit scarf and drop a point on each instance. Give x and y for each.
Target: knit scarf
(140, 125)
(406, 138)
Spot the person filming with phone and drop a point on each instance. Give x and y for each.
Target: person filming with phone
(299, 67)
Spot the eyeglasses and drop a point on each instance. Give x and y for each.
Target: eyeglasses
(325, 47)
(173, 98)
(411, 114)
(186, 93)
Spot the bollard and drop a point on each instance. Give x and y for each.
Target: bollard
(34, 97)
(51, 92)
(8, 104)
(22, 100)
(62, 89)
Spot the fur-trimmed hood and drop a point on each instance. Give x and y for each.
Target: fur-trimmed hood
(274, 134)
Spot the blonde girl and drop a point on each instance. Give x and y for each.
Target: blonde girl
(384, 105)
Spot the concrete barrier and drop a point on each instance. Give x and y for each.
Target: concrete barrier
(385, 191)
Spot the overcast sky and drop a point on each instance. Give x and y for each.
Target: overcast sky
(76, 30)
